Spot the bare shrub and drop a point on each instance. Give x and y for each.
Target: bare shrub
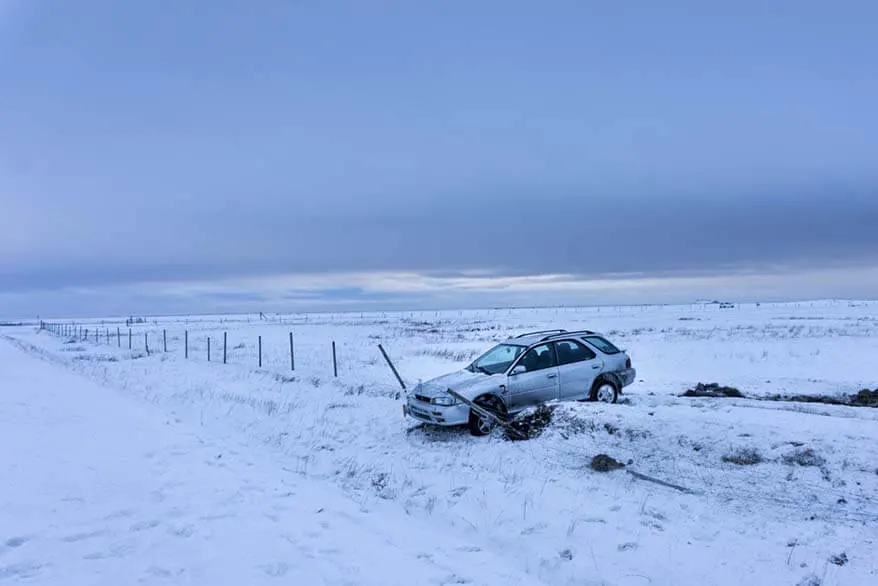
(712, 390)
(743, 457)
(803, 457)
(449, 354)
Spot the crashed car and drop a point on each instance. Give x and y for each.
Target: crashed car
(523, 371)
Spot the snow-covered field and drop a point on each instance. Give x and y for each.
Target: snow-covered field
(101, 441)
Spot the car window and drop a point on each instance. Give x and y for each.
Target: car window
(498, 358)
(570, 351)
(601, 344)
(538, 358)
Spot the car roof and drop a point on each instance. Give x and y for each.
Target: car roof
(530, 338)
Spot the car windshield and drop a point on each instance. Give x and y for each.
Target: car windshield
(497, 359)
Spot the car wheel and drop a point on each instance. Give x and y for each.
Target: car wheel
(479, 425)
(604, 391)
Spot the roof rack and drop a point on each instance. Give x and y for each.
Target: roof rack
(554, 332)
(566, 333)
(576, 333)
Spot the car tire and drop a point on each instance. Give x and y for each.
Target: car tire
(604, 391)
(477, 424)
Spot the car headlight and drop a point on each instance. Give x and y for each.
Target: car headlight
(444, 401)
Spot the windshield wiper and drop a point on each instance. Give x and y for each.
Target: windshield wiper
(482, 369)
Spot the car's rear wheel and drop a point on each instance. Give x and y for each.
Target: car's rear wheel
(604, 391)
(480, 425)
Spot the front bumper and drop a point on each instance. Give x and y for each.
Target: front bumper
(435, 414)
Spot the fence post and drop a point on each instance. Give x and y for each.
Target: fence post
(260, 351)
(129, 338)
(165, 340)
(225, 346)
(108, 336)
(186, 344)
(292, 359)
(86, 334)
(118, 337)
(334, 362)
(392, 367)
(208, 348)
(146, 342)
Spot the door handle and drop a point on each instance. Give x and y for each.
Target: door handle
(595, 366)
(551, 375)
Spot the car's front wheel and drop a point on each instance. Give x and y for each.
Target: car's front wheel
(480, 425)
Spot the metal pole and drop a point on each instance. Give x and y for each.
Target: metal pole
(225, 345)
(165, 340)
(260, 351)
(334, 362)
(292, 359)
(392, 367)
(146, 342)
(208, 348)
(186, 344)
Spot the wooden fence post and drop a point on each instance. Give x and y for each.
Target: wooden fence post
(146, 342)
(129, 338)
(260, 351)
(334, 361)
(225, 346)
(186, 344)
(165, 340)
(208, 348)
(292, 359)
(118, 337)
(86, 334)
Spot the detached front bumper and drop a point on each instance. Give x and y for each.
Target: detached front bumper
(426, 411)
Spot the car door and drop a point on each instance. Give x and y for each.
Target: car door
(578, 366)
(534, 378)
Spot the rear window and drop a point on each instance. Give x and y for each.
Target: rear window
(602, 344)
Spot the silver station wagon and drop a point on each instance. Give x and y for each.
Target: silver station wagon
(527, 370)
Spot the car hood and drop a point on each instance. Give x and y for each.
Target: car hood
(462, 381)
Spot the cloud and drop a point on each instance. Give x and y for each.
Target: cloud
(505, 234)
(413, 291)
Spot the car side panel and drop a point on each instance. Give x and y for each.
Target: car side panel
(531, 388)
(576, 379)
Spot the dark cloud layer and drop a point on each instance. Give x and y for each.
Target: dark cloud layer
(588, 236)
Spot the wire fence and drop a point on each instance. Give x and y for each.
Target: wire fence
(158, 343)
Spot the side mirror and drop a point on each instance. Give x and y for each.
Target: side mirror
(518, 370)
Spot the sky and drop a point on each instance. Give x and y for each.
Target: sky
(231, 155)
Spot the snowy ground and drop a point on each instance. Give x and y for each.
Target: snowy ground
(443, 505)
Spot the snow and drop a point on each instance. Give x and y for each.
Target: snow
(99, 489)
(438, 504)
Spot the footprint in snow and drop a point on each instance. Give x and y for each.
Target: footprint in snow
(276, 569)
(83, 536)
(144, 525)
(183, 531)
(21, 570)
(14, 542)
